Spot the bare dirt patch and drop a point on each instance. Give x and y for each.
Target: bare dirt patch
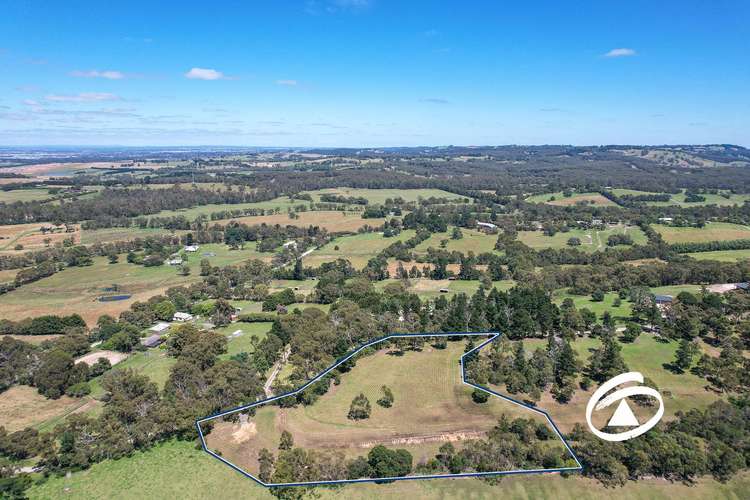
(113, 357)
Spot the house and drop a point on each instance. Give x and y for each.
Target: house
(743, 286)
(290, 244)
(159, 327)
(487, 227)
(152, 341)
(191, 248)
(181, 316)
(175, 262)
(666, 220)
(663, 300)
(443, 290)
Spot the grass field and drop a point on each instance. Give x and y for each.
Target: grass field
(31, 237)
(22, 406)
(472, 241)
(91, 236)
(591, 240)
(722, 255)
(620, 313)
(378, 196)
(281, 203)
(24, 195)
(714, 231)
(332, 221)
(679, 199)
(154, 363)
(177, 469)
(427, 288)
(559, 200)
(358, 249)
(241, 342)
(432, 406)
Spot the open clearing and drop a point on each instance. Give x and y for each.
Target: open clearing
(357, 249)
(31, 237)
(378, 196)
(722, 255)
(281, 204)
(678, 199)
(22, 406)
(713, 231)
(432, 406)
(591, 239)
(194, 475)
(332, 221)
(24, 195)
(472, 241)
(113, 357)
(559, 200)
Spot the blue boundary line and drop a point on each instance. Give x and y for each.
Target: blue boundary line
(493, 336)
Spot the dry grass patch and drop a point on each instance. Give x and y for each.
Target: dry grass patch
(332, 221)
(22, 406)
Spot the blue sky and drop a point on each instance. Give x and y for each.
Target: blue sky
(374, 72)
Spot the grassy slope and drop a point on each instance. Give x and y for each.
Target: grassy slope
(679, 199)
(722, 255)
(474, 241)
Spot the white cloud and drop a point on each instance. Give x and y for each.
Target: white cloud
(30, 102)
(622, 52)
(288, 83)
(204, 74)
(83, 97)
(109, 75)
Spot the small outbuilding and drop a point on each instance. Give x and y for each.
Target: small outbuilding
(152, 341)
(182, 316)
(159, 327)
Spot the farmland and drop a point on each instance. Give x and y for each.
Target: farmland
(76, 289)
(358, 249)
(678, 199)
(714, 231)
(591, 239)
(559, 199)
(471, 241)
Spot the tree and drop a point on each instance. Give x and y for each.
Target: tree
(631, 333)
(387, 400)
(597, 296)
(479, 396)
(287, 441)
(685, 354)
(360, 408)
(51, 378)
(574, 242)
(389, 463)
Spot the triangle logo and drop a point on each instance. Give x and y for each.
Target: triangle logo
(623, 416)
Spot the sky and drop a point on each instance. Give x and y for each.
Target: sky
(368, 73)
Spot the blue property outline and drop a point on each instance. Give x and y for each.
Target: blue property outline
(494, 336)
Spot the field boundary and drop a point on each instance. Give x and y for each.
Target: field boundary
(493, 336)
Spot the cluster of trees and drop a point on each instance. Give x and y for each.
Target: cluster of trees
(50, 366)
(711, 441)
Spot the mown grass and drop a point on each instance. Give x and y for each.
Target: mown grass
(679, 199)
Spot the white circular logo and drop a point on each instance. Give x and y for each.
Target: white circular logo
(623, 416)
